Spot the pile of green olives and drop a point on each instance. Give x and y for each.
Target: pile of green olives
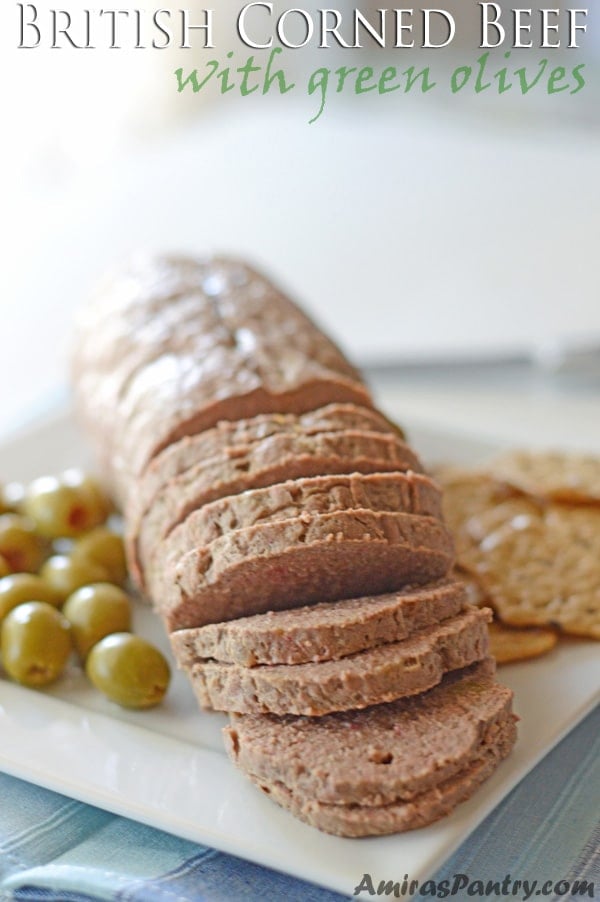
(63, 579)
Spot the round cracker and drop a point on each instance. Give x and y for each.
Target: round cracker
(508, 644)
(515, 513)
(541, 566)
(551, 475)
(466, 494)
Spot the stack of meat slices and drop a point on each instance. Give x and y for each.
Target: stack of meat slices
(293, 547)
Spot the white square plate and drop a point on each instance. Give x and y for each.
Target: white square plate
(167, 767)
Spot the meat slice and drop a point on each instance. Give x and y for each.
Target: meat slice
(385, 768)
(193, 449)
(320, 632)
(381, 674)
(307, 559)
(277, 458)
(397, 817)
(409, 492)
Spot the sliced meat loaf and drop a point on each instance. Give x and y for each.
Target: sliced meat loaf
(289, 563)
(272, 460)
(388, 754)
(381, 674)
(409, 492)
(196, 450)
(145, 433)
(152, 294)
(397, 817)
(320, 632)
(258, 353)
(193, 449)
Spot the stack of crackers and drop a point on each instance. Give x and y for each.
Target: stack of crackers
(527, 531)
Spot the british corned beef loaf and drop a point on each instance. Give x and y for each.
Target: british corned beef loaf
(293, 546)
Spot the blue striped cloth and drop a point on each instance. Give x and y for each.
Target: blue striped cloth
(58, 850)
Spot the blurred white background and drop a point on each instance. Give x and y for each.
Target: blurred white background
(416, 228)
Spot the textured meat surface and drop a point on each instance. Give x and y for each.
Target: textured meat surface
(275, 459)
(193, 449)
(376, 675)
(312, 558)
(397, 817)
(378, 755)
(408, 492)
(248, 350)
(320, 632)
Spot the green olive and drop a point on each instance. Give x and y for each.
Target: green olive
(66, 574)
(20, 545)
(4, 568)
(11, 497)
(106, 548)
(35, 643)
(89, 486)
(18, 588)
(128, 670)
(95, 612)
(64, 507)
